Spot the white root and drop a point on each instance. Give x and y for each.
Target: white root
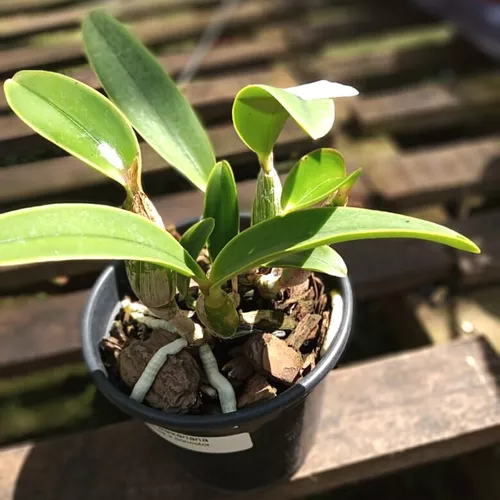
(144, 315)
(155, 364)
(224, 388)
(335, 322)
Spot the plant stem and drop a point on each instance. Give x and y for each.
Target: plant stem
(223, 387)
(154, 365)
(267, 198)
(217, 311)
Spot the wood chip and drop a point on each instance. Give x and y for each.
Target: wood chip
(273, 357)
(307, 329)
(257, 389)
(309, 362)
(325, 322)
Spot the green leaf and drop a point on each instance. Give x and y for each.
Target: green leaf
(76, 118)
(193, 240)
(260, 113)
(150, 99)
(306, 229)
(221, 204)
(87, 232)
(313, 178)
(323, 259)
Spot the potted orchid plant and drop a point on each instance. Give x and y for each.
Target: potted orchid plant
(218, 333)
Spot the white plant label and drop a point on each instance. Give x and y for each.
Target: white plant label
(223, 444)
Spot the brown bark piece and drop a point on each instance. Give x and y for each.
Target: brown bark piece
(309, 362)
(298, 291)
(238, 368)
(325, 323)
(274, 357)
(176, 387)
(306, 329)
(257, 389)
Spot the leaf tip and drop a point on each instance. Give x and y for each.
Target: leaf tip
(473, 248)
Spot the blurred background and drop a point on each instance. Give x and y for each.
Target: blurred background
(425, 129)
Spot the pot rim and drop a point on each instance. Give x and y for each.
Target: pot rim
(287, 398)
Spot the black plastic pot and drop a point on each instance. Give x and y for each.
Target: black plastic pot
(247, 449)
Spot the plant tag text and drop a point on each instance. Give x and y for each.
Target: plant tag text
(223, 444)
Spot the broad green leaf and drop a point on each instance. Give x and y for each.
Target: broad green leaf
(322, 259)
(306, 229)
(150, 99)
(193, 240)
(260, 113)
(221, 204)
(76, 118)
(313, 178)
(87, 232)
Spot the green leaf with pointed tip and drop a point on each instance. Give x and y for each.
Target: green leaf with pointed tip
(150, 99)
(193, 240)
(260, 113)
(313, 178)
(82, 231)
(221, 204)
(306, 229)
(323, 259)
(76, 118)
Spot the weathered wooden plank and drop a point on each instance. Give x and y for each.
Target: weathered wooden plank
(237, 55)
(212, 98)
(337, 23)
(153, 32)
(9, 7)
(437, 174)
(46, 331)
(431, 105)
(382, 267)
(431, 404)
(20, 25)
(459, 316)
(377, 64)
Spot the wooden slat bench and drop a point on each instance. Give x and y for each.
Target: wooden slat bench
(418, 130)
(431, 105)
(155, 31)
(418, 407)
(437, 174)
(390, 61)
